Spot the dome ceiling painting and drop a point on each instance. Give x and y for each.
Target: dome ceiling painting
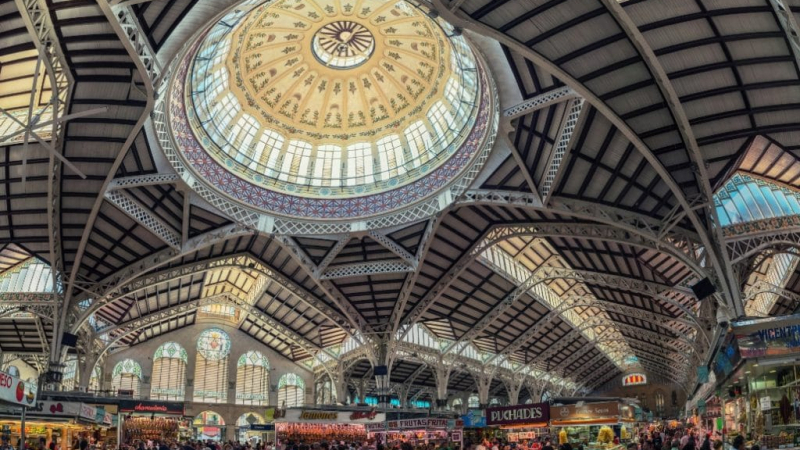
(522, 191)
(327, 110)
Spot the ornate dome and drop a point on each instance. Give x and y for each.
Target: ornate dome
(331, 109)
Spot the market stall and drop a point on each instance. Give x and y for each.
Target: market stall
(15, 397)
(151, 420)
(757, 383)
(63, 423)
(416, 431)
(317, 425)
(523, 423)
(596, 426)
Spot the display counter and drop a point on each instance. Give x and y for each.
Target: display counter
(596, 426)
(415, 431)
(63, 423)
(150, 420)
(310, 425)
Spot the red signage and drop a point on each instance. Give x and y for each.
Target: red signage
(14, 390)
(368, 415)
(151, 407)
(634, 379)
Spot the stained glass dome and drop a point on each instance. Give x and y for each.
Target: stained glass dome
(330, 109)
(214, 344)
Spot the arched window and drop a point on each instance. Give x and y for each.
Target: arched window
(252, 379)
(70, 379)
(13, 371)
(546, 396)
(169, 372)
(494, 401)
(211, 370)
(659, 398)
(291, 391)
(127, 376)
(94, 381)
(457, 404)
(473, 401)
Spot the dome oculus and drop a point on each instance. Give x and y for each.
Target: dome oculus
(325, 109)
(343, 44)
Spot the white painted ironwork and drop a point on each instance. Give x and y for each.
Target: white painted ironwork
(366, 268)
(554, 172)
(541, 101)
(144, 216)
(143, 180)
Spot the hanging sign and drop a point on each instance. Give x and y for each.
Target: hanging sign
(151, 407)
(774, 336)
(408, 424)
(766, 403)
(13, 390)
(587, 412)
(315, 416)
(262, 427)
(518, 415)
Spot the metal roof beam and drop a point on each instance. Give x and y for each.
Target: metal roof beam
(573, 121)
(720, 272)
(538, 102)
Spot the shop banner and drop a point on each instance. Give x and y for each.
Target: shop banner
(475, 418)
(589, 411)
(151, 407)
(779, 336)
(13, 390)
(64, 409)
(408, 424)
(102, 417)
(314, 416)
(87, 412)
(518, 414)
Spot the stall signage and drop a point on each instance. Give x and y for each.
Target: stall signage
(64, 409)
(634, 379)
(13, 390)
(262, 427)
(475, 418)
(409, 424)
(586, 412)
(518, 415)
(298, 415)
(765, 337)
(173, 408)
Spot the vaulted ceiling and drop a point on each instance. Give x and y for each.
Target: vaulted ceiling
(620, 121)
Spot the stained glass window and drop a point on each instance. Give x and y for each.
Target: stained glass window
(127, 376)
(211, 369)
(457, 404)
(169, 372)
(291, 391)
(473, 402)
(252, 379)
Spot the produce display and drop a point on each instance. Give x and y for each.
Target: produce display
(605, 435)
(318, 433)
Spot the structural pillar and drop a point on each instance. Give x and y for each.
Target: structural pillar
(514, 387)
(339, 381)
(382, 372)
(442, 374)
